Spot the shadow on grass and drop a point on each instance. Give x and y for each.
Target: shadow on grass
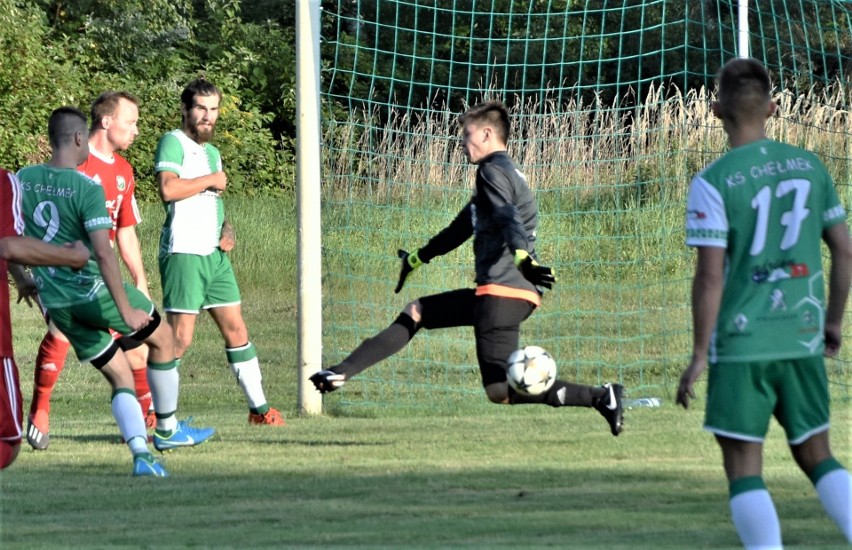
(340, 503)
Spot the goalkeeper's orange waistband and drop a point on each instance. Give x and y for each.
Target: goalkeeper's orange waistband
(509, 292)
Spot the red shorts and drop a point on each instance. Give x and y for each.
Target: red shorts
(11, 405)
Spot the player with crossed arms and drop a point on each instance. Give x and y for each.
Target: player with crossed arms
(195, 270)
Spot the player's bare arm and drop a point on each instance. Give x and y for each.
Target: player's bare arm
(839, 279)
(707, 286)
(228, 238)
(29, 251)
(105, 257)
(130, 251)
(174, 188)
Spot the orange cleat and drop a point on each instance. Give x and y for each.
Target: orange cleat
(272, 417)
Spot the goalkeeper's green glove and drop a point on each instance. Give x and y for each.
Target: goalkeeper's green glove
(538, 275)
(410, 262)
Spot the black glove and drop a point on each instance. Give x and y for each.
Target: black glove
(410, 262)
(538, 275)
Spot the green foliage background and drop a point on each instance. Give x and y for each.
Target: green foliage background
(54, 52)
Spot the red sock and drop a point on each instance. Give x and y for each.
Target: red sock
(49, 363)
(143, 392)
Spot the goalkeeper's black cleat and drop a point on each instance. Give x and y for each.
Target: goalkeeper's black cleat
(327, 381)
(610, 406)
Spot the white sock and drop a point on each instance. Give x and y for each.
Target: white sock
(164, 381)
(130, 421)
(756, 520)
(835, 493)
(246, 368)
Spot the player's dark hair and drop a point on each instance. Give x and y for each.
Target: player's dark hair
(106, 104)
(199, 86)
(489, 113)
(63, 123)
(744, 89)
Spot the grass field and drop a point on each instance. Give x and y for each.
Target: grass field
(454, 473)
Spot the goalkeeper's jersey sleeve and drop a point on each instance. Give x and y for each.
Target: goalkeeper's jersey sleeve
(767, 204)
(193, 225)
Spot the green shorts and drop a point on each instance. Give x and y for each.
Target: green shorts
(742, 397)
(192, 283)
(87, 326)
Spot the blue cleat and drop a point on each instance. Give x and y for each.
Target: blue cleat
(182, 436)
(144, 464)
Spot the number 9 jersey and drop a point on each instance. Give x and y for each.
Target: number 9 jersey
(61, 205)
(767, 203)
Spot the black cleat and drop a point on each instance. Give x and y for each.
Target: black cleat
(610, 406)
(327, 381)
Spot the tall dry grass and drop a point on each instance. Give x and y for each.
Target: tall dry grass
(592, 148)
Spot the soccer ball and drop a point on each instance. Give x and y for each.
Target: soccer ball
(531, 370)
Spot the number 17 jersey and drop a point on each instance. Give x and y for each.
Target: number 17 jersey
(767, 203)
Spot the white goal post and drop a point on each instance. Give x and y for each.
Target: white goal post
(308, 183)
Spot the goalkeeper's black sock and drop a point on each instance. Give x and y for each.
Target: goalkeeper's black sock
(560, 394)
(381, 346)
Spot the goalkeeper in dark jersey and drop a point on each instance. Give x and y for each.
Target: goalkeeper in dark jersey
(501, 217)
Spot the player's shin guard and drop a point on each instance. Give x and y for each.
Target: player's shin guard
(164, 381)
(754, 515)
(560, 394)
(246, 369)
(130, 421)
(50, 361)
(379, 347)
(833, 485)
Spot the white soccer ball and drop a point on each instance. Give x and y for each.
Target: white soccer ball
(531, 370)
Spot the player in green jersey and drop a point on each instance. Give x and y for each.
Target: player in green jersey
(756, 217)
(61, 205)
(195, 270)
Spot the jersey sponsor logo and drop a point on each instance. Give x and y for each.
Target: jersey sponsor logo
(741, 322)
(776, 301)
(120, 183)
(779, 271)
(809, 323)
(696, 214)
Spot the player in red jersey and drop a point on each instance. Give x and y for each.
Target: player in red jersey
(29, 251)
(114, 116)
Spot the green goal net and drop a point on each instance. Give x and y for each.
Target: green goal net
(611, 119)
